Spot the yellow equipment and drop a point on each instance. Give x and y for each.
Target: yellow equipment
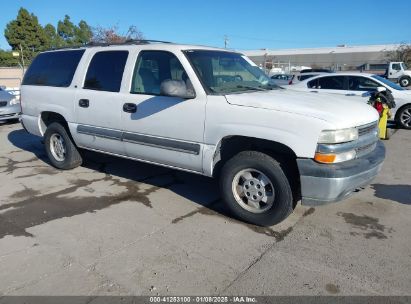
(382, 123)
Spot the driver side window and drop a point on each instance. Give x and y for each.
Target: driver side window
(396, 66)
(357, 83)
(154, 67)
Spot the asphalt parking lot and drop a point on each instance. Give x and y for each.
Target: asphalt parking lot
(118, 227)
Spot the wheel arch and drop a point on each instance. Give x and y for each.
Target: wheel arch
(48, 117)
(232, 145)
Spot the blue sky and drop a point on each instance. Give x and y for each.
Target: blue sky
(248, 24)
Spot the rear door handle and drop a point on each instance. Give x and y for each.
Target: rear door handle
(314, 91)
(351, 94)
(84, 103)
(130, 108)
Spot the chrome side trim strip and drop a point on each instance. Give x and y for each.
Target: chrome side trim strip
(99, 132)
(162, 143)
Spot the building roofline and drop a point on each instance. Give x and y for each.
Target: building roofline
(324, 50)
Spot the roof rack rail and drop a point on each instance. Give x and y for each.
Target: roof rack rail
(127, 42)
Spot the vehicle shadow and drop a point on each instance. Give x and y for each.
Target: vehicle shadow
(28, 142)
(396, 193)
(131, 175)
(154, 105)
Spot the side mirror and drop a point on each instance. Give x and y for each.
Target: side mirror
(381, 89)
(176, 88)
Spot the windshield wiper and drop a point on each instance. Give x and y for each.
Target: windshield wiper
(251, 88)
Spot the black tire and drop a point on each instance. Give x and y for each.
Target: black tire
(400, 116)
(282, 206)
(72, 157)
(404, 81)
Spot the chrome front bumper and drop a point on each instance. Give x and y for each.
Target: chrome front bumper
(322, 184)
(10, 112)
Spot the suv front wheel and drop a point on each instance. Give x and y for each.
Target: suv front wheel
(60, 149)
(255, 188)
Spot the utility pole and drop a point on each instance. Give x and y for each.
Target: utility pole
(22, 57)
(225, 41)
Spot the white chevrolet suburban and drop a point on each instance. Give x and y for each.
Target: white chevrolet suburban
(207, 111)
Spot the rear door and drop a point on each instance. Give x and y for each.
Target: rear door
(329, 84)
(98, 103)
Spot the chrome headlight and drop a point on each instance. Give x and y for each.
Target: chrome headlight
(338, 136)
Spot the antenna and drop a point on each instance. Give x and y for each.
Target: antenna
(226, 40)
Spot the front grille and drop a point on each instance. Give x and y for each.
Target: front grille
(367, 139)
(366, 129)
(3, 103)
(361, 151)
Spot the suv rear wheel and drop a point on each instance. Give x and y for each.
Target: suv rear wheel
(255, 189)
(60, 149)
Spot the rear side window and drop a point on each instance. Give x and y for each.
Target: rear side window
(54, 69)
(331, 83)
(105, 71)
(312, 84)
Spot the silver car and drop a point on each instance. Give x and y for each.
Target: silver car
(9, 106)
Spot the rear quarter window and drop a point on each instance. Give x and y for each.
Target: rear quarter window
(54, 69)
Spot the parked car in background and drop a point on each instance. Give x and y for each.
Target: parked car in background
(304, 75)
(281, 79)
(204, 110)
(358, 84)
(316, 71)
(9, 106)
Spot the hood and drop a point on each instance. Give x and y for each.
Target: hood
(337, 110)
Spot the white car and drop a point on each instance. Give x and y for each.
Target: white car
(204, 110)
(358, 85)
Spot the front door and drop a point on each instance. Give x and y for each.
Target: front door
(395, 71)
(361, 86)
(162, 129)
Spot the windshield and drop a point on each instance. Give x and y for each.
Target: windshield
(404, 66)
(388, 83)
(224, 72)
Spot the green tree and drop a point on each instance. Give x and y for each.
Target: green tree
(53, 39)
(70, 34)
(26, 34)
(66, 30)
(82, 33)
(7, 59)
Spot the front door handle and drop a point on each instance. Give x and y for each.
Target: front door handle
(130, 108)
(84, 103)
(351, 94)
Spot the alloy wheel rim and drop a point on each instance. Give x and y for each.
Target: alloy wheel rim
(253, 190)
(58, 147)
(406, 117)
